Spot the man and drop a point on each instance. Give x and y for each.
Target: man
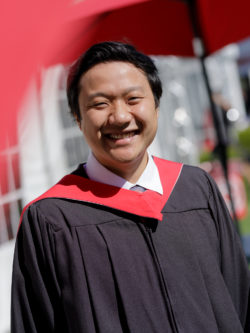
(128, 242)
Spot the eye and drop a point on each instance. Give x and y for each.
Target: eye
(134, 100)
(99, 105)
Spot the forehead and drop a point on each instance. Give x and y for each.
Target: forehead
(112, 74)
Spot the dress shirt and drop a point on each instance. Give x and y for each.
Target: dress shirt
(150, 178)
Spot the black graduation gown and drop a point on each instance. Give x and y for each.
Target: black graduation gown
(91, 258)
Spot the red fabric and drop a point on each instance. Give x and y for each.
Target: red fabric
(94, 7)
(156, 27)
(27, 29)
(223, 22)
(152, 26)
(146, 204)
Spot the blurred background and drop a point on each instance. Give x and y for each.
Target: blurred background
(202, 51)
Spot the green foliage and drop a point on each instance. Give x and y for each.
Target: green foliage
(209, 156)
(233, 152)
(206, 156)
(245, 223)
(241, 149)
(244, 140)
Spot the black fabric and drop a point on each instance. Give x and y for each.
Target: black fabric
(81, 267)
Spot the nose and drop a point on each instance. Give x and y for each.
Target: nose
(120, 114)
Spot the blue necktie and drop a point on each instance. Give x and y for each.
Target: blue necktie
(138, 188)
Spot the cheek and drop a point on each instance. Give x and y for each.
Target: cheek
(92, 120)
(92, 123)
(147, 114)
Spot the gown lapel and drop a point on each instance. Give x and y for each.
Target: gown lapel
(146, 204)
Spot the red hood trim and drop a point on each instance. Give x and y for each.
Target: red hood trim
(146, 204)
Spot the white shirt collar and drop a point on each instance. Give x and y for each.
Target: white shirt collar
(150, 178)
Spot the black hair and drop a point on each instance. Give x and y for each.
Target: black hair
(107, 52)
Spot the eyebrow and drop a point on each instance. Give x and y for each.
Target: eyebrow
(102, 94)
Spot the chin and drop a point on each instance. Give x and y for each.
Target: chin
(127, 157)
(123, 159)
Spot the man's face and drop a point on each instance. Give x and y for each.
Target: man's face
(118, 114)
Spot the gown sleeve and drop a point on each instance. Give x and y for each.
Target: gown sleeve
(233, 260)
(35, 290)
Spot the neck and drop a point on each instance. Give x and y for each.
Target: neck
(131, 171)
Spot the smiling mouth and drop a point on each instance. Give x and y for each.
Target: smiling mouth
(119, 136)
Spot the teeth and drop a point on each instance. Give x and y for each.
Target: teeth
(121, 136)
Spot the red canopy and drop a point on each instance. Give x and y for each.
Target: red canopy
(159, 27)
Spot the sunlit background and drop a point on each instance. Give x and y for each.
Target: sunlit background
(47, 143)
